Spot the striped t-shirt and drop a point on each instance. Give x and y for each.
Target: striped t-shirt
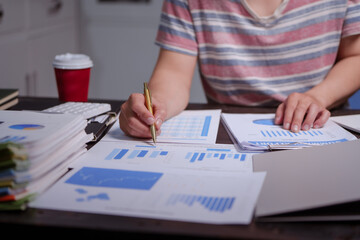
(258, 61)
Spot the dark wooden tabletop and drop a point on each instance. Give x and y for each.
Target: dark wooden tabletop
(49, 223)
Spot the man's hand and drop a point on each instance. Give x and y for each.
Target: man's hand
(301, 111)
(135, 118)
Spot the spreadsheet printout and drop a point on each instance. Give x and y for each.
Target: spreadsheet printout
(258, 132)
(209, 157)
(172, 194)
(190, 126)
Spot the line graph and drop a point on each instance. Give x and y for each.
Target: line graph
(114, 178)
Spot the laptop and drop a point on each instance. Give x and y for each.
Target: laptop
(317, 183)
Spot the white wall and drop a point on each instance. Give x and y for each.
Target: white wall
(119, 37)
(31, 34)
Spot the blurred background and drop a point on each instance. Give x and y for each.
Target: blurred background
(118, 35)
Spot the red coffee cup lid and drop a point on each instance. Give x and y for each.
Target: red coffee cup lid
(72, 61)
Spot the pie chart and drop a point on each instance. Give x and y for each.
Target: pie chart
(26, 126)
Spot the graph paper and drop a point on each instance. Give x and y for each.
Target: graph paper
(190, 126)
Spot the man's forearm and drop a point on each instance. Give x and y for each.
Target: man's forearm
(341, 82)
(170, 92)
(171, 80)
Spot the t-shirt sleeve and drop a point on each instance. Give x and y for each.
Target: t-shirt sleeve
(352, 19)
(176, 29)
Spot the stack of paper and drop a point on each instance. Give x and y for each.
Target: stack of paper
(45, 144)
(258, 132)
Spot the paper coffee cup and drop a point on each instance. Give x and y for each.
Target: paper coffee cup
(72, 72)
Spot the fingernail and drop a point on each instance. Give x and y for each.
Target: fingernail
(277, 120)
(306, 127)
(158, 122)
(287, 125)
(150, 120)
(295, 128)
(316, 126)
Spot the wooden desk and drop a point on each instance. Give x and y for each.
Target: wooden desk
(39, 222)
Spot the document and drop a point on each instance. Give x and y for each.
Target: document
(258, 132)
(351, 122)
(206, 183)
(154, 192)
(190, 126)
(198, 183)
(217, 157)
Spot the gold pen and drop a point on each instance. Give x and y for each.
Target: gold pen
(149, 107)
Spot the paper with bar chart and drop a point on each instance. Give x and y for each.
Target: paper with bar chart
(154, 192)
(258, 132)
(190, 126)
(211, 157)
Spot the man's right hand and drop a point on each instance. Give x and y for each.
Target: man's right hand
(135, 118)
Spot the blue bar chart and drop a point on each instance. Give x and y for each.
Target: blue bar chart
(219, 157)
(266, 143)
(286, 133)
(278, 136)
(214, 154)
(210, 203)
(118, 154)
(12, 138)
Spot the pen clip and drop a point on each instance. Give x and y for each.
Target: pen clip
(150, 97)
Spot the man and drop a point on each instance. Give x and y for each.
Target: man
(301, 56)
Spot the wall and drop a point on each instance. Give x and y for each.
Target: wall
(31, 34)
(119, 37)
